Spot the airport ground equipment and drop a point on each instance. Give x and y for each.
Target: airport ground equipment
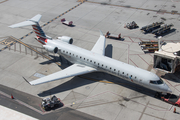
(170, 98)
(64, 21)
(131, 25)
(49, 103)
(109, 35)
(151, 46)
(162, 29)
(168, 58)
(151, 27)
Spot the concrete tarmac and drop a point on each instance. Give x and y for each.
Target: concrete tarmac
(96, 95)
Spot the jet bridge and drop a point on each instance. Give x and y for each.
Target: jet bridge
(168, 58)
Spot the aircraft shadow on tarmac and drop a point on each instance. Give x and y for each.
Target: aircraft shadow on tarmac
(80, 81)
(175, 77)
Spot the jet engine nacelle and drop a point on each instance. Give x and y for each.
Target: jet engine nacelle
(66, 39)
(50, 48)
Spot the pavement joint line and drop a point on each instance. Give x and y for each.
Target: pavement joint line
(143, 59)
(133, 62)
(136, 8)
(143, 111)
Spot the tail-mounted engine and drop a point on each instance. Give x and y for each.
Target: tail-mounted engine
(66, 39)
(50, 48)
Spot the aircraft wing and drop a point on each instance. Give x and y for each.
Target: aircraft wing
(99, 47)
(73, 70)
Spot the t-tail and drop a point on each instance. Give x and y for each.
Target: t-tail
(41, 36)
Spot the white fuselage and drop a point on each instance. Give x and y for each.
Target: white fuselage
(105, 64)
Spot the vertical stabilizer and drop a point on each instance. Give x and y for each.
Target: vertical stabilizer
(41, 36)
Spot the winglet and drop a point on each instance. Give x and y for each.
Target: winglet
(99, 47)
(101, 34)
(26, 80)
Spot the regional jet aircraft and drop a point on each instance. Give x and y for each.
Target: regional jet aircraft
(86, 61)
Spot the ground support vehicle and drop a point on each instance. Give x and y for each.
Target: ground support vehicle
(108, 35)
(131, 25)
(151, 27)
(162, 30)
(170, 98)
(50, 103)
(151, 46)
(64, 21)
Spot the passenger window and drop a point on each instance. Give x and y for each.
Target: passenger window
(84, 59)
(94, 62)
(80, 57)
(122, 72)
(98, 63)
(70, 53)
(102, 65)
(110, 67)
(66, 52)
(76, 55)
(114, 69)
(90, 60)
(87, 59)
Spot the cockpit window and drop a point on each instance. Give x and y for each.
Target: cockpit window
(156, 81)
(153, 82)
(160, 81)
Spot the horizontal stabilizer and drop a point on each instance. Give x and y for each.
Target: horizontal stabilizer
(22, 24)
(32, 21)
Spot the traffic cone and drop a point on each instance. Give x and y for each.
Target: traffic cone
(174, 110)
(12, 96)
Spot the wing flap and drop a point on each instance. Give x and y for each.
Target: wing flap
(73, 70)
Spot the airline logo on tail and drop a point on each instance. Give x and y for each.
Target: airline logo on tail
(41, 36)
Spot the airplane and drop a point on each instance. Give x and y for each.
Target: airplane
(85, 61)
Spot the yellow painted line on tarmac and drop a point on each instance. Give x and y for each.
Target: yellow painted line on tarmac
(43, 24)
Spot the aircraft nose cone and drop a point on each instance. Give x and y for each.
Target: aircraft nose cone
(168, 88)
